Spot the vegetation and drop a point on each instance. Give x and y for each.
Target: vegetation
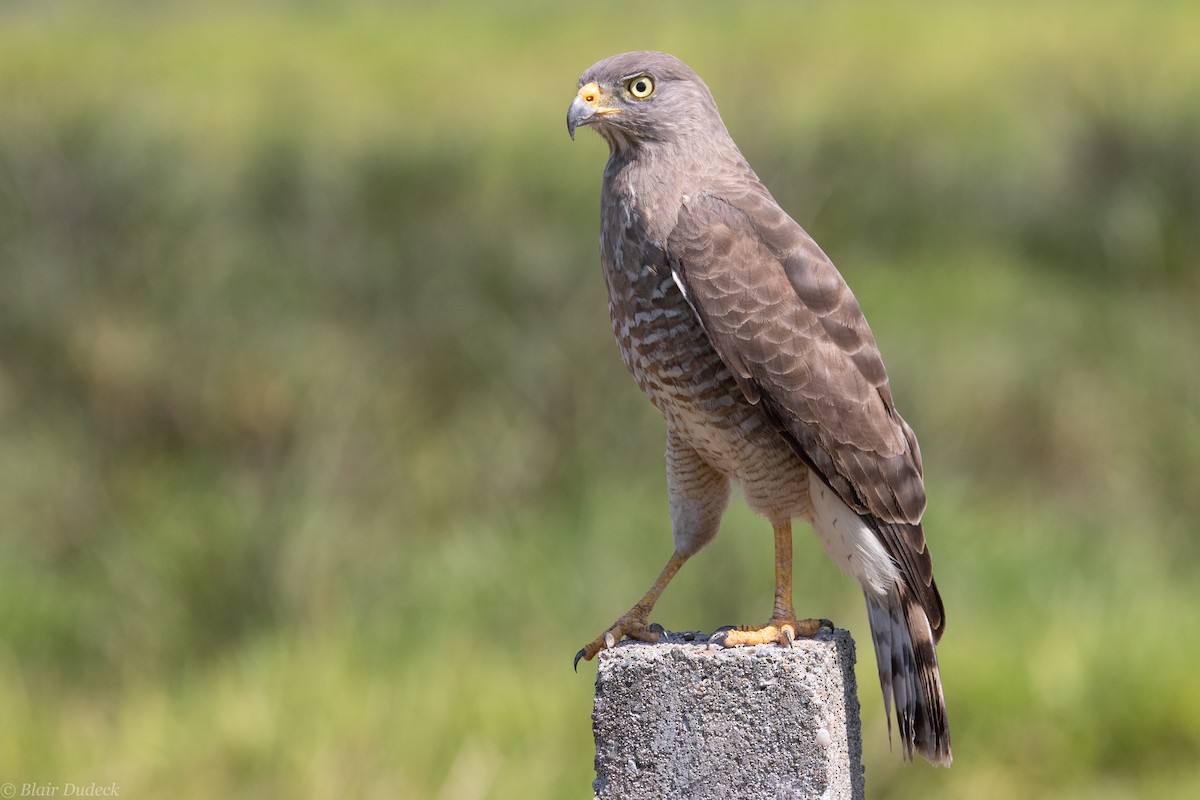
(317, 462)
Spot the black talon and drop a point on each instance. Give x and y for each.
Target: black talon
(657, 629)
(718, 637)
(578, 656)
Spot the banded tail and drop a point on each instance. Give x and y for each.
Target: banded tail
(908, 672)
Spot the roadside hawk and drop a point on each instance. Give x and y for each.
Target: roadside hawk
(749, 342)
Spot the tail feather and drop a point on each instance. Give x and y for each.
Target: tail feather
(908, 673)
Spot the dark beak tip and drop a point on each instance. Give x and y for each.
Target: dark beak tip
(578, 114)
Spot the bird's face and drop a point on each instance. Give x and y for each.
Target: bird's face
(633, 98)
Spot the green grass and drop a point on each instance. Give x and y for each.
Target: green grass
(317, 462)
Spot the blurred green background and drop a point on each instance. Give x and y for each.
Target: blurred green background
(318, 463)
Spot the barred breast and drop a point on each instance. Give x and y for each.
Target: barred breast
(666, 349)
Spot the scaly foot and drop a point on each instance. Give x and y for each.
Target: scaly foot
(632, 625)
(782, 631)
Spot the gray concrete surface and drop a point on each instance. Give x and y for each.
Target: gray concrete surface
(676, 719)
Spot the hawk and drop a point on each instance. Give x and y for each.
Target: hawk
(743, 334)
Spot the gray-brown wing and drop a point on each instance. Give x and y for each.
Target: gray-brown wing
(789, 329)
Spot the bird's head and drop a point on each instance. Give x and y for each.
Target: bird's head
(644, 96)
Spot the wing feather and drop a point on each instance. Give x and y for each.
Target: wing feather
(792, 333)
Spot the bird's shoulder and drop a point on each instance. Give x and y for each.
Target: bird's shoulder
(740, 240)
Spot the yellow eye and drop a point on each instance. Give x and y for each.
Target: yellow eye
(641, 86)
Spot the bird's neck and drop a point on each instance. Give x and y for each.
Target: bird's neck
(660, 175)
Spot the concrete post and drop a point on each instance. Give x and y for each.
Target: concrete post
(676, 719)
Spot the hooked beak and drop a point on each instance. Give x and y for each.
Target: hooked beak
(580, 113)
(586, 108)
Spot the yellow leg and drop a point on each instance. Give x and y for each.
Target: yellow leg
(783, 572)
(633, 623)
(783, 626)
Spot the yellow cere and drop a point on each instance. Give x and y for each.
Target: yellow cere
(590, 93)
